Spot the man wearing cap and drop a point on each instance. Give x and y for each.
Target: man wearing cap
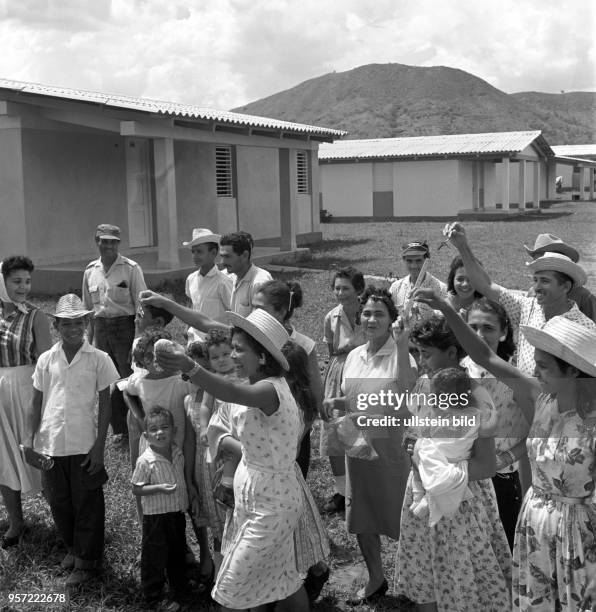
(111, 285)
(554, 276)
(413, 255)
(236, 253)
(209, 289)
(549, 243)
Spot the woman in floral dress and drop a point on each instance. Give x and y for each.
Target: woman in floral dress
(555, 542)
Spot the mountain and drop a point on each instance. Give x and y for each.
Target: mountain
(389, 100)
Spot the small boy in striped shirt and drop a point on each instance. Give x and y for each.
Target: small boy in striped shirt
(158, 479)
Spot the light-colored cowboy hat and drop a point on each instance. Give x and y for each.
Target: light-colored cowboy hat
(549, 243)
(567, 340)
(266, 330)
(201, 235)
(559, 263)
(70, 306)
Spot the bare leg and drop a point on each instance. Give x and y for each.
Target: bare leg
(338, 465)
(370, 546)
(14, 508)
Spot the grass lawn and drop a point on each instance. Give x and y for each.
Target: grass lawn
(372, 247)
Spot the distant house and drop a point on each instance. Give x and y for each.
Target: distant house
(436, 176)
(70, 159)
(575, 165)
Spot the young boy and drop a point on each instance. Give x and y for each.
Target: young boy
(209, 289)
(67, 381)
(158, 480)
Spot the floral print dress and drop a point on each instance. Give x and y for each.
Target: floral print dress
(555, 541)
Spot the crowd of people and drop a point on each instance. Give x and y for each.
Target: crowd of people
(484, 471)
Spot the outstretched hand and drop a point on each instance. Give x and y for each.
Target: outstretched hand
(174, 360)
(455, 233)
(400, 330)
(150, 298)
(430, 298)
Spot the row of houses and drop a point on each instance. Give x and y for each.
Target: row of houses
(70, 159)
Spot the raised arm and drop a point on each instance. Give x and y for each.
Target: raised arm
(479, 278)
(406, 376)
(186, 315)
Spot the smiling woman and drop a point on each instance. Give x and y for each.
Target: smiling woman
(24, 335)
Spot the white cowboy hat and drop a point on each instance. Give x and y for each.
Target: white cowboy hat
(266, 330)
(567, 340)
(549, 243)
(70, 306)
(559, 263)
(200, 235)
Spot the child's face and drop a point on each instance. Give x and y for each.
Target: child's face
(220, 358)
(72, 331)
(202, 256)
(18, 285)
(160, 432)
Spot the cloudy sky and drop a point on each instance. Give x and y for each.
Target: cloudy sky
(224, 53)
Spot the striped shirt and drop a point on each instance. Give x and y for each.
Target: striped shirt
(16, 337)
(153, 468)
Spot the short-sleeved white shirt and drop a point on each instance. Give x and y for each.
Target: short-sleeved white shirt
(246, 288)
(401, 289)
(68, 423)
(211, 295)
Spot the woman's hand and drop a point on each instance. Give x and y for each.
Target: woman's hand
(430, 298)
(148, 297)
(455, 233)
(332, 408)
(400, 330)
(174, 360)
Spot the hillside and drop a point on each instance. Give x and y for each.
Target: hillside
(385, 100)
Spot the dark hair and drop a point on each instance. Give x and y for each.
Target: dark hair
(454, 266)
(506, 347)
(451, 380)
(379, 295)
(148, 338)
(198, 352)
(157, 412)
(158, 312)
(217, 337)
(299, 380)
(239, 241)
(271, 367)
(16, 262)
(434, 332)
(353, 276)
(282, 296)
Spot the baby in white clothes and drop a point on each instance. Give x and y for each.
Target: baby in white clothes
(440, 481)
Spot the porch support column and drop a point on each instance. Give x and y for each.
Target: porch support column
(582, 183)
(521, 184)
(536, 190)
(551, 177)
(287, 200)
(506, 183)
(166, 207)
(591, 183)
(475, 198)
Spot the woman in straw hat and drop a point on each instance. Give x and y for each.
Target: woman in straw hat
(24, 335)
(555, 541)
(259, 565)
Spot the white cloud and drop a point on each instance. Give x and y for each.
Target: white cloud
(224, 53)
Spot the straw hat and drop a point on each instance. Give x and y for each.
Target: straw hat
(266, 330)
(566, 340)
(549, 243)
(559, 263)
(200, 235)
(70, 306)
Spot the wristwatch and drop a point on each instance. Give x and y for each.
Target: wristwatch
(188, 375)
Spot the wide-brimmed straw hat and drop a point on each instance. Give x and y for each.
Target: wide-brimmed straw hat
(70, 306)
(266, 330)
(549, 243)
(201, 235)
(559, 263)
(567, 340)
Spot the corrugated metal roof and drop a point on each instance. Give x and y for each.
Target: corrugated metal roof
(421, 146)
(173, 109)
(575, 150)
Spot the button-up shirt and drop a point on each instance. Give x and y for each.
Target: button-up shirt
(246, 288)
(211, 294)
(153, 468)
(401, 289)
(68, 423)
(114, 293)
(523, 310)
